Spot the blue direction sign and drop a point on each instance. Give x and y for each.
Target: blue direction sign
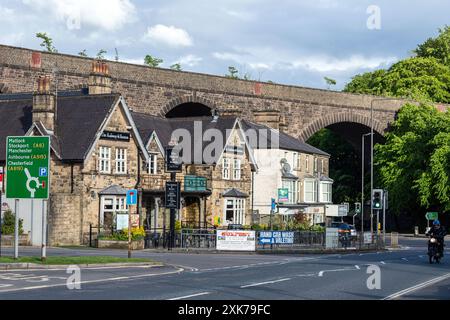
(132, 197)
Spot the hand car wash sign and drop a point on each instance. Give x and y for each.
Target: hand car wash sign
(27, 167)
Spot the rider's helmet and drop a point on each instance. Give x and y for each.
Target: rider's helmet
(436, 223)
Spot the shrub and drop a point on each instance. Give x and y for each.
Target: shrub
(136, 234)
(9, 223)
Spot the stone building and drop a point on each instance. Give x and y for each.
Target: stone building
(295, 166)
(94, 145)
(216, 186)
(100, 148)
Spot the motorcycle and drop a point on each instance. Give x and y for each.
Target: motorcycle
(433, 250)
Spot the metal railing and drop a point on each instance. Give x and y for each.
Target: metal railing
(198, 238)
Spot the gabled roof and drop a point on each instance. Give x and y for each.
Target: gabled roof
(148, 125)
(15, 120)
(78, 118)
(234, 193)
(114, 190)
(285, 141)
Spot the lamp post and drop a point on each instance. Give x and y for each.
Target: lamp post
(362, 182)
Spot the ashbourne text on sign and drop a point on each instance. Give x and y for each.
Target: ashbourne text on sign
(27, 167)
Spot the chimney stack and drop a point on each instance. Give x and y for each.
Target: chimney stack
(99, 79)
(44, 103)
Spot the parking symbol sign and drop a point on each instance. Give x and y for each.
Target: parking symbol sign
(42, 172)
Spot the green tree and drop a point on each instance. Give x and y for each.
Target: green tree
(176, 67)
(330, 82)
(414, 163)
(101, 54)
(47, 42)
(233, 73)
(417, 78)
(152, 61)
(438, 48)
(8, 224)
(82, 53)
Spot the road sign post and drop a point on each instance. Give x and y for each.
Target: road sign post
(173, 201)
(131, 201)
(27, 167)
(27, 175)
(174, 164)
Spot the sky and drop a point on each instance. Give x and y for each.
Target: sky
(294, 42)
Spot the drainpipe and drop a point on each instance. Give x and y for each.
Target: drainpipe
(253, 194)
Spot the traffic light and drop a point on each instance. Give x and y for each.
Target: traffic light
(377, 199)
(357, 207)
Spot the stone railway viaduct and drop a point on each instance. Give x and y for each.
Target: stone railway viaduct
(299, 111)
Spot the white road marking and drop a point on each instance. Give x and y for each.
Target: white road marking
(179, 270)
(417, 287)
(263, 283)
(321, 273)
(5, 285)
(190, 296)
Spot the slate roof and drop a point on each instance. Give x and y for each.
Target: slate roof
(114, 190)
(164, 128)
(78, 118)
(15, 120)
(234, 193)
(286, 142)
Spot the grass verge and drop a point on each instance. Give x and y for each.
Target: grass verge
(75, 260)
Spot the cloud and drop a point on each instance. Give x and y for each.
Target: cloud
(331, 64)
(105, 14)
(190, 60)
(6, 14)
(269, 59)
(241, 15)
(168, 35)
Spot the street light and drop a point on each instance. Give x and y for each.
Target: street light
(362, 182)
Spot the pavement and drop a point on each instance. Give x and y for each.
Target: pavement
(395, 274)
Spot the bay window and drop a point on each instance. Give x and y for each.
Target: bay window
(310, 191)
(326, 192)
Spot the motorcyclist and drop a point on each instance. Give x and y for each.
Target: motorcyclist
(438, 232)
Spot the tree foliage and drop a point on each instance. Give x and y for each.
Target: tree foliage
(414, 163)
(101, 54)
(438, 48)
(152, 61)
(176, 67)
(416, 78)
(330, 82)
(47, 42)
